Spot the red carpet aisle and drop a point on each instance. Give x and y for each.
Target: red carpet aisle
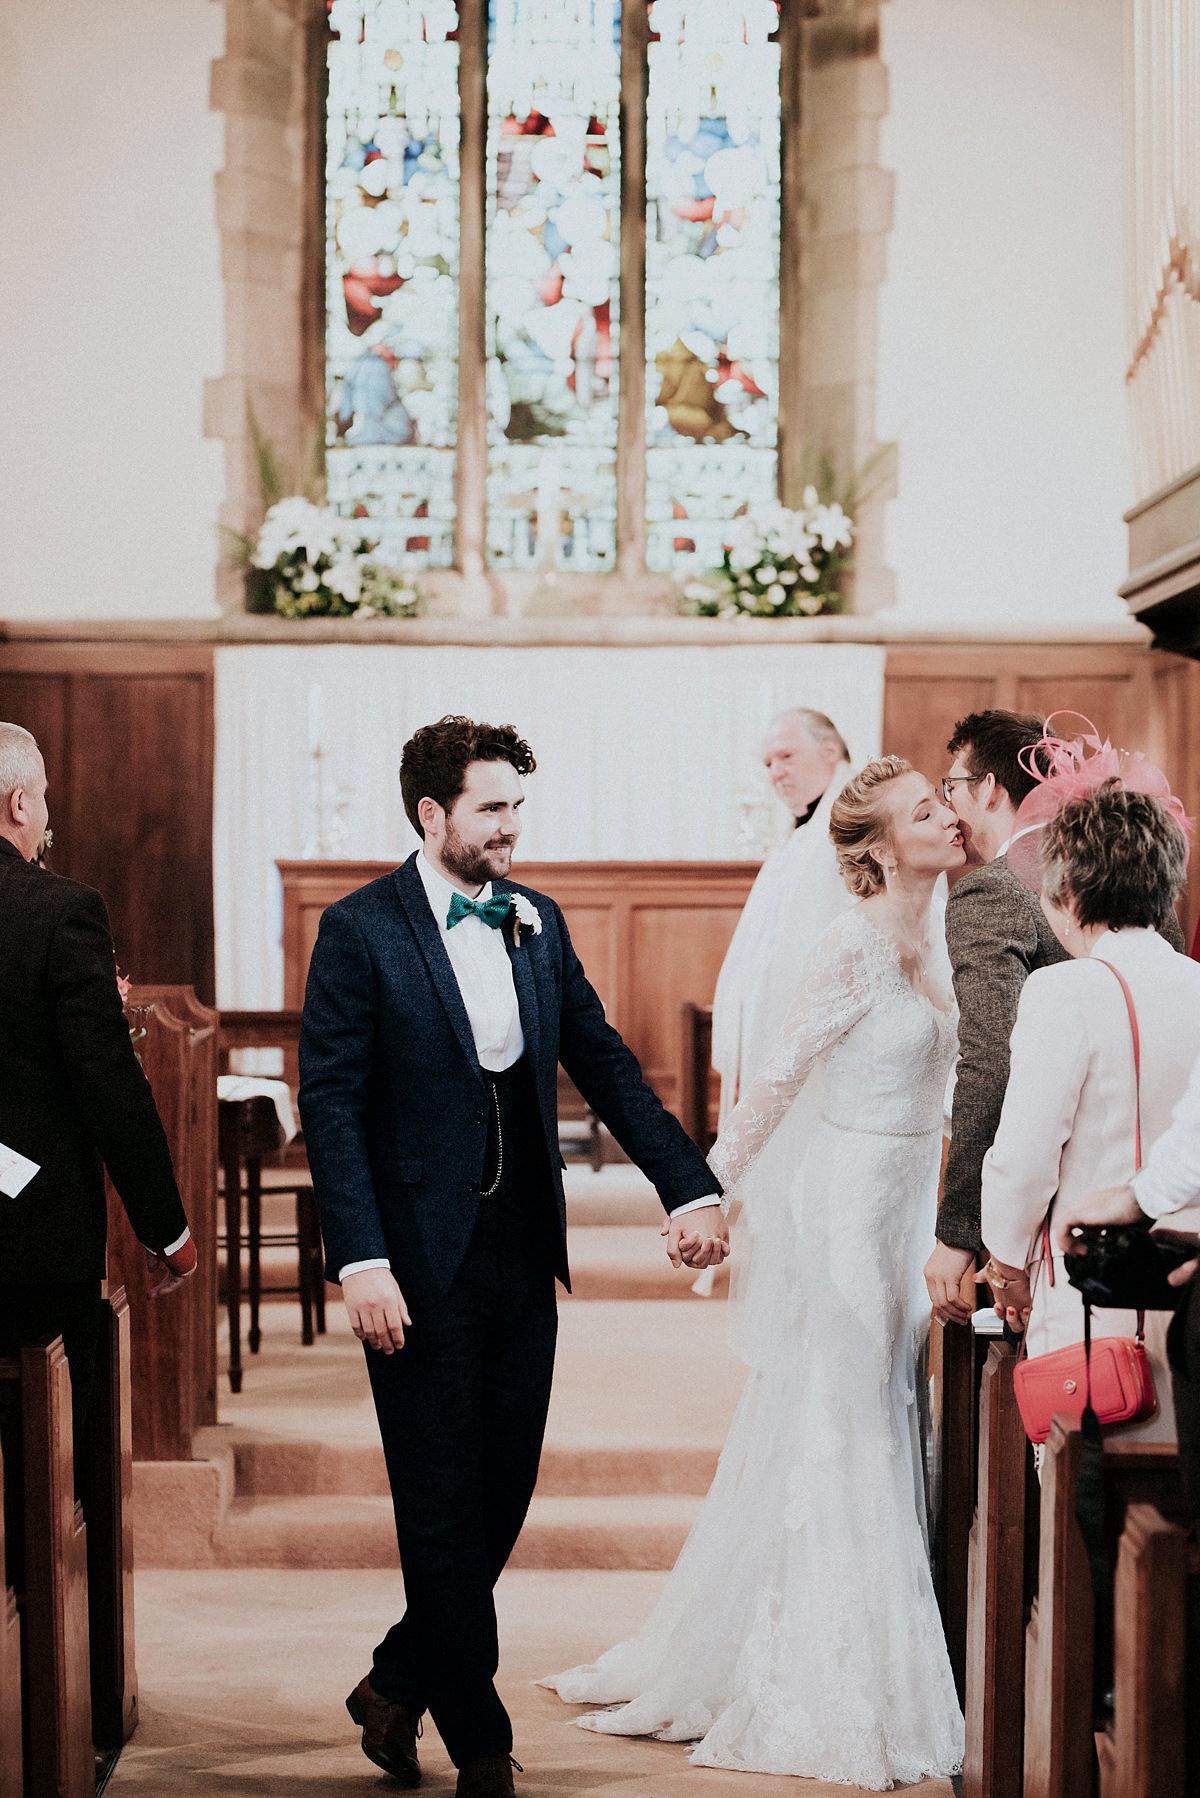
(282, 1585)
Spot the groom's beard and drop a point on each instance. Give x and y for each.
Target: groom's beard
(477, 866)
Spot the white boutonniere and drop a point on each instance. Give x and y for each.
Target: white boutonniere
(524, 917)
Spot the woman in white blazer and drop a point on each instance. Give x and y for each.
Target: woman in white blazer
(1113, 864)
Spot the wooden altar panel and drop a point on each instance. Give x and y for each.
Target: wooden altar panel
(650, 934)
(677, 950)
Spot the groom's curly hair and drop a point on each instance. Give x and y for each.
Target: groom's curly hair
(434, 761)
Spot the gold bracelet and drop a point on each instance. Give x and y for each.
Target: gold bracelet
(995, 1279)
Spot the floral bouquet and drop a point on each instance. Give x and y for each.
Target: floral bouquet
(778, 563)
(317, 565)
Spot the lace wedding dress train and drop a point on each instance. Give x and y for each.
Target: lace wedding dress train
(798, 1632)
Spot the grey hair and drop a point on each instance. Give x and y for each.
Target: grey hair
(1120, 856)
(820, 728)
(20, 760)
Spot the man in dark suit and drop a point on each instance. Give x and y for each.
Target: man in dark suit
(440, 1002)
(73, 1098)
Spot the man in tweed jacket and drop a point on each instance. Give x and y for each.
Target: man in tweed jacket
(997, 934)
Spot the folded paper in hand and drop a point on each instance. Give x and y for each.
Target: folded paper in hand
(16, 1171)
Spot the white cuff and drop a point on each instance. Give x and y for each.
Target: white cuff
(1151, 1199)
(173, 1247)
(360, 1267)
(696, 1204)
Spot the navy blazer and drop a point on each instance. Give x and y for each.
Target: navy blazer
(392, 1097)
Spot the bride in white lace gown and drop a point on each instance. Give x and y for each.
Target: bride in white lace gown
(798, 1632)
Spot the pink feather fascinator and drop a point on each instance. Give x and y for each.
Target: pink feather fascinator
(1069, 767)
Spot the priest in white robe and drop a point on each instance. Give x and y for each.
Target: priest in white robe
(798, 892)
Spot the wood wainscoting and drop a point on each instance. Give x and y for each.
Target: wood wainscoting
(126, 731)
(126, 725)
(1139, 698)
(652, 936)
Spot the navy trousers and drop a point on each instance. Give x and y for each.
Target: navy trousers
(462, 1413)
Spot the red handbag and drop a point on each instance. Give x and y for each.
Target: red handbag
(1112, 1374)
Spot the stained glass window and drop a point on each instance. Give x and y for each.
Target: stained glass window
(553, 226)
(392, 269)
(549, 177)
(712, 272)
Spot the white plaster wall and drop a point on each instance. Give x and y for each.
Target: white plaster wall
(110, 289)
(1001, 325)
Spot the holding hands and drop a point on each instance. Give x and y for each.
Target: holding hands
(698, 1238)
(944, 1272)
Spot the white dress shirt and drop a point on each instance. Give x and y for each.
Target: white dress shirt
(483, 972)
(1170, 1179)
(485, 980)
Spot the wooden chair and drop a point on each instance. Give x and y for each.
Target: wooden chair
(51, 1569)
(998, 1578)
(12, 1753)
(1144, 1752)
(250, 1130)
(695, 1077)
(573, 1109)
(263, 1030)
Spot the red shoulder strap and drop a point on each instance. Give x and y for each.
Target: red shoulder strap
(1137, 1058)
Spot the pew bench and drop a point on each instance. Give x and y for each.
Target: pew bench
(1062, 1646)
(71, 1669)
(1151, 1746)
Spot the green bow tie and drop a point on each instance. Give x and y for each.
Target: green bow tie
(491, 911)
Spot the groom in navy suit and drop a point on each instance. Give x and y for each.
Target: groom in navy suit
(440, 1002)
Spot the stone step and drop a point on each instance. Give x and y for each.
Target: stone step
(639, 1532)
(279, 1468)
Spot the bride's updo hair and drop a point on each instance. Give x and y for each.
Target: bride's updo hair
(858, 823)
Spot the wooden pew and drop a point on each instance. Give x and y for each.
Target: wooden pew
(174, 1345)
(1061, 1646)
(1058, 1647)
(997, 1582)
(110, 1534)
(956, 1358)
(1144, 1750)
(12, 1755)
(35, 1397)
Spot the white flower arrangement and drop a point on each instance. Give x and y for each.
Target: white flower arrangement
(779, 562)
(525, 917)
(318, 565)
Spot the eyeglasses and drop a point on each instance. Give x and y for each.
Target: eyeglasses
(950, 781)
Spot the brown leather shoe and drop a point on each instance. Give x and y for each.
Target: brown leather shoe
(491, 1776)
(389, 1733)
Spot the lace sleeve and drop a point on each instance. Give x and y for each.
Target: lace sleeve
(834, 992)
